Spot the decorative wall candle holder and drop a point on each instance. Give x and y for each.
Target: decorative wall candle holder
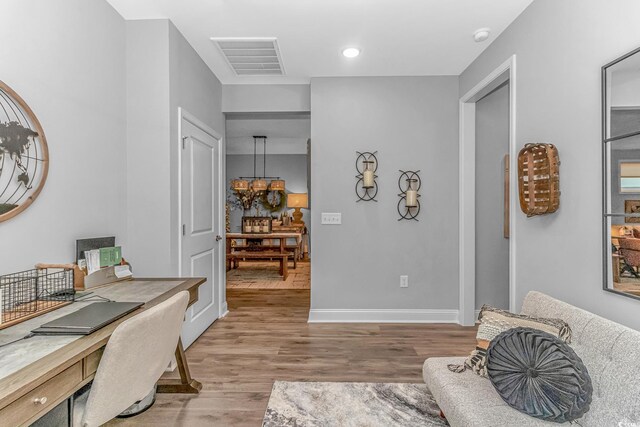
(409, 203)
(366, 186)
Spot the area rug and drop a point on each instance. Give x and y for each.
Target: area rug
(306, 404)
(264, 275)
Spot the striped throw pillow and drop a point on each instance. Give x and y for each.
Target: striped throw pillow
(494, 321)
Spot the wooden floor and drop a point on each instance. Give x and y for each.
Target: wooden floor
(266, 337)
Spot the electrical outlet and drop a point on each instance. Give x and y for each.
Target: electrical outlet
(331, 218)
(404, 281)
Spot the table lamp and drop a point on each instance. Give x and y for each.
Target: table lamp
(297, 201)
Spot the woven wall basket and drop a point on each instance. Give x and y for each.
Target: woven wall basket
(539, 179)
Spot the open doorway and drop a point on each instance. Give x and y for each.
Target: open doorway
(492, 198)
(502, 78)
(268, 201)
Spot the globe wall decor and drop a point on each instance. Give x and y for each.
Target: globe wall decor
(24, 156)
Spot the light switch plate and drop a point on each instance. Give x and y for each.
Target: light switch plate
(331, 218)
(404, 281)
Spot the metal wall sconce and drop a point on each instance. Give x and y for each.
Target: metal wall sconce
(409, 205)
(366, 186)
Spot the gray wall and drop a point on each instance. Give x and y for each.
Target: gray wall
(492, 249)
(290, 167)
(413, 124)
(147, 92)
(195, 88)
(560, 47)
(67, 61)
(163, 73)
(265, 98)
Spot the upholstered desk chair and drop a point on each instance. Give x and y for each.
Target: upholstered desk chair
(134, 359)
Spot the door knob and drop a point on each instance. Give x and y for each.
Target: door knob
(218, 238)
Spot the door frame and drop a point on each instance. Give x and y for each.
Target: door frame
(220, 258)
(467, 180)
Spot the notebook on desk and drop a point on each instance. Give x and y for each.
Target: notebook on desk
(88, 319)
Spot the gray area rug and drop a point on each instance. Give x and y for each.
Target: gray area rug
(305, 404)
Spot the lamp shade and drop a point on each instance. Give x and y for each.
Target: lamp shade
(297, 200)
(259, 185)
(277, 185)
(240, 185)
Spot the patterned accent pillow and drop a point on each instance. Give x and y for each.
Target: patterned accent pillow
(539, 374)
(494, 321)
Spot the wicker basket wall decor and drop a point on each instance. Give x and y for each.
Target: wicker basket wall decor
(539, 179)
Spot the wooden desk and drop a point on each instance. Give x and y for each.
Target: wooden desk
(55, 367)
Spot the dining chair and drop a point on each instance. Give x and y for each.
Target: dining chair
(134, 359)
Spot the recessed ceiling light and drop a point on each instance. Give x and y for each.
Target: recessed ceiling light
(351, 52)
(481, 34)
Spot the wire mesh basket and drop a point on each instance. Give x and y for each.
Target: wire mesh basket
(27, 294)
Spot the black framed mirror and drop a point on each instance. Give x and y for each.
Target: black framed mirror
(621, 175)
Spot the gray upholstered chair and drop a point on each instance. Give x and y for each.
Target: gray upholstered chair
(138, 352)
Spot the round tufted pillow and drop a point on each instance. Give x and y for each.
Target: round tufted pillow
(539, 374)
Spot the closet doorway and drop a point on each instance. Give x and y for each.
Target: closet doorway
(502, 77)
(492, 199)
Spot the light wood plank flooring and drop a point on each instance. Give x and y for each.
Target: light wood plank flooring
(266, 337)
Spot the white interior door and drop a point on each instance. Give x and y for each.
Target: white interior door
(200, 217)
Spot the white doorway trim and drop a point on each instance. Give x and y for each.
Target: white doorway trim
(467, 216)
(221, 270)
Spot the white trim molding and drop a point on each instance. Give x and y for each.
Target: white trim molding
(467, 157)
(383, 316)
(224, 309)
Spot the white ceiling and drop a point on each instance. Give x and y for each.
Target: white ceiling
(287, 135)
(397, 37)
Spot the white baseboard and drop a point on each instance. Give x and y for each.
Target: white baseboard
(383, 316)
(224, 310)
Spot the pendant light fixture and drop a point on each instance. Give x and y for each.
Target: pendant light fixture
(252, 186)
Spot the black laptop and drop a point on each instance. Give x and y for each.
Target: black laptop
(88, 319)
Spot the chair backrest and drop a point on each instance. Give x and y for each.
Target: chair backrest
(630, 251)
(138, 352)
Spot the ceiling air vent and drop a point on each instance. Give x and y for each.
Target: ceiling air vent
(251, 57)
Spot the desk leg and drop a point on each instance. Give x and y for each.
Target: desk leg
(185, 384)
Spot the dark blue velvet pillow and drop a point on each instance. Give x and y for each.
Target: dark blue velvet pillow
(539, 374)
